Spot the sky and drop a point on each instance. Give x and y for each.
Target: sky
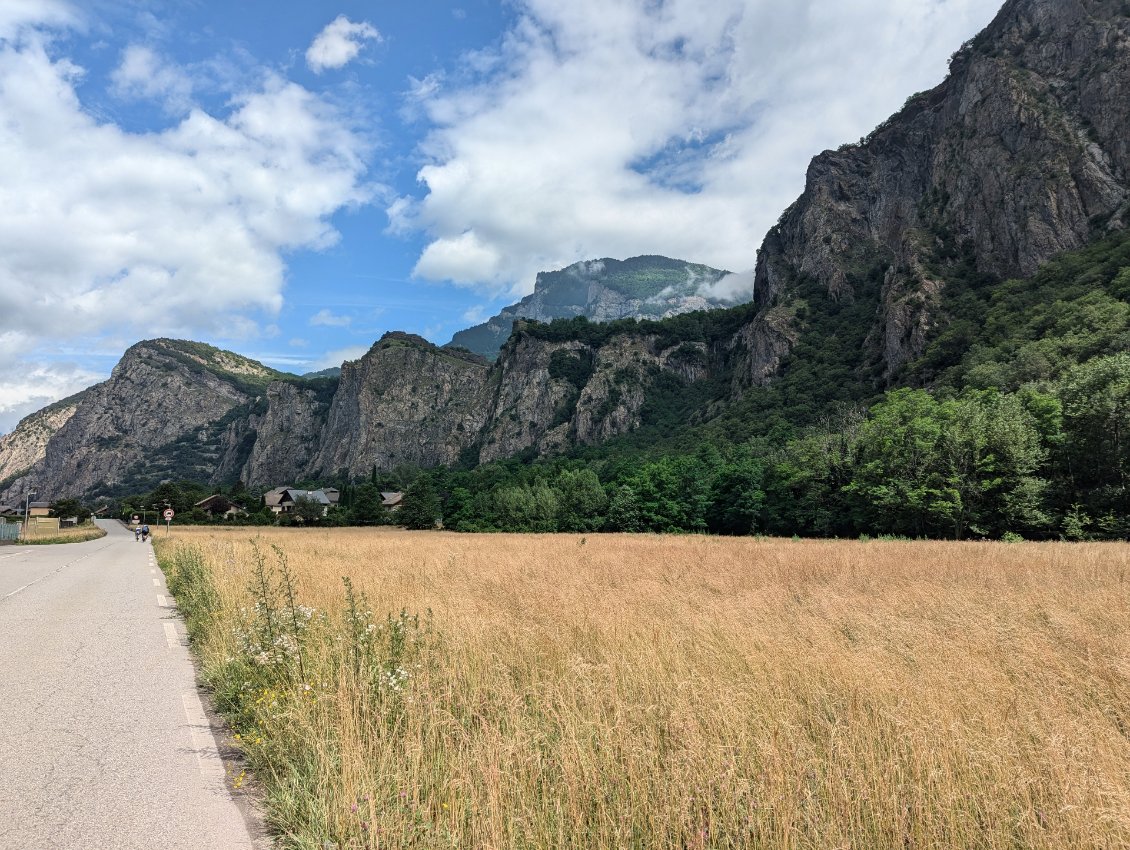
(290, 179)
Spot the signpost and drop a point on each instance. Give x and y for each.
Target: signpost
(168, 514)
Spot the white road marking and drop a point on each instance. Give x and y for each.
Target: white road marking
(152, 571)
(161, 601)
(18, 589)
(156, 582)
(203, 741)
(171, 637)
(53, 572)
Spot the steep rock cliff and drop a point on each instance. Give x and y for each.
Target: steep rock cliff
(286, 435)
(553, 395)
(531, 405)
(163, 412)
(26, 445)
(405, 402)
(1019, 154)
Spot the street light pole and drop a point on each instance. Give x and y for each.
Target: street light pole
(27, 507)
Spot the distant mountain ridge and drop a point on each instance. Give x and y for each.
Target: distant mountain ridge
(887, 271)
(645, 287)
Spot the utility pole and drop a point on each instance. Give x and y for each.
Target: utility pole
(27, 507)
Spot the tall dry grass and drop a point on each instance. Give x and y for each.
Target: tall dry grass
(74, 534)
(685, 692)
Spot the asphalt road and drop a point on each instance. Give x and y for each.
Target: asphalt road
(103, 738)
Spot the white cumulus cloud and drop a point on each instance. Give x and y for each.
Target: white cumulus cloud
(326, 318)
(143, 74)
(736, 287)
(339, 43)
(626, 127)
(15, 15)
(27, 389)
(334, 358)
(177, 232)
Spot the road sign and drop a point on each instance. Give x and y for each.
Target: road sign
(168, 514)
(135, 518)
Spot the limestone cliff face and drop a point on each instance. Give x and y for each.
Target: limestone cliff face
(149, 401)
(611, 403)
(163, 415)
(550, 396)
(285, 436)
(529, 407)
(408, 402)
(169, 409)
(1021, 153)
(26, 445)
(404, 402)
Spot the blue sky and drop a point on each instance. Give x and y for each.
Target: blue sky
(291, 179)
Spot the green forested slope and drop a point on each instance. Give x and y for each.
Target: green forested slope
(1016, 420)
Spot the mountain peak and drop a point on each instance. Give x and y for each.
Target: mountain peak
(644, 287)
(199, 355)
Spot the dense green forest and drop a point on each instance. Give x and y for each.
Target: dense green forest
(1014, 422)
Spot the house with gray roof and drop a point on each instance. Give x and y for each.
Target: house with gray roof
(290, 496)
(281, 500)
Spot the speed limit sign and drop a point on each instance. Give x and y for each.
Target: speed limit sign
(168, 514)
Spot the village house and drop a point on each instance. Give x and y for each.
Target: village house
(219, 505)
(281, 500)
(271, 499)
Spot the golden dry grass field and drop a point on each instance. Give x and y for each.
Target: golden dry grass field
(616, 691)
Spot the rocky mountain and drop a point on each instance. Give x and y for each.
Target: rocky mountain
(1019, 154)
(26, 445)
(175, 410)
(168, 406)
(604, 290)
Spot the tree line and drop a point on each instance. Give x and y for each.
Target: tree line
(1038, 463)
(976, 463)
